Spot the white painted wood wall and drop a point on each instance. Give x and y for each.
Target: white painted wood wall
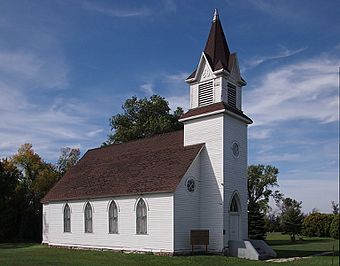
(209, 130)
(186, 212)
(235, 173)
(160, 224)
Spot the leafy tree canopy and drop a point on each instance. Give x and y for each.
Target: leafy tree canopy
(68, 158)
(25, 178)
(261, 181)
(292, 217)
(335, 207)
(143, 118)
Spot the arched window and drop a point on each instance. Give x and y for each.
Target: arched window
(234, 204)
(67, 219)
(141, 218)
(88, 218)
(113, 218)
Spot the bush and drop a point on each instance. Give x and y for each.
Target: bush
(334, 230)
(318, 224)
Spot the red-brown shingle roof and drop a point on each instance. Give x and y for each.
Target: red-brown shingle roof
(212, 108)
(155, 164)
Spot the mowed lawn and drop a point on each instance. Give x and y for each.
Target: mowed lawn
(35, 254)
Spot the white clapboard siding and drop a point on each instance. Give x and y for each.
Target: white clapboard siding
(209, 130)
(235, 172)
(160, 219)
(186, 213)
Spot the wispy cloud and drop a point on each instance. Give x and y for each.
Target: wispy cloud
(259, 133)
(173, 86)
(302, 90)
(117, 12)
(278, 10)
(50, 121)
(147, 89)
(258, 60)
(309, 191)
(39, 71)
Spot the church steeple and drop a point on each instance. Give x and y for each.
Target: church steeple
(217, 81)
(216, 48)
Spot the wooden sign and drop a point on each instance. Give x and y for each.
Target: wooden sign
(199, 237)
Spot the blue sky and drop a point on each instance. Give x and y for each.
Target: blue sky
(66, 66)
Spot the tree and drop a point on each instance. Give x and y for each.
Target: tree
(292, 217)
(318, 224)
(256, 222)
(335, 207)
(261, 180)
(143, 118)
(272, 222)
(25, 178)
(334, 228)
(9, 176)
(68, 158)
(31, 165)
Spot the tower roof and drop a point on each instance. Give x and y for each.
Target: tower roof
(216, 49)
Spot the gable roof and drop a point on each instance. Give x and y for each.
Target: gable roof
(220, 106)
(150, 165)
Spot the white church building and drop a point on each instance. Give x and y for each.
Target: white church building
(149, 194)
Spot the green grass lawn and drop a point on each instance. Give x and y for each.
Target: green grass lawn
(35, 254)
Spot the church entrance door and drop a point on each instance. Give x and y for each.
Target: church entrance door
(234, 226)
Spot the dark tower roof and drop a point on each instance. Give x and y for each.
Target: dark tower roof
(216, 48)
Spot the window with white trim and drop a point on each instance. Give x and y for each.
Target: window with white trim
(234, 204)
(67, 219)
(141, 218)
(88, 218)
(113, 218)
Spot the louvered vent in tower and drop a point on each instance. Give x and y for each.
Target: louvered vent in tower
(205, 93)
(231, 95)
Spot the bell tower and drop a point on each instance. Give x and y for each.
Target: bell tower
(217, 77)
(215, 117)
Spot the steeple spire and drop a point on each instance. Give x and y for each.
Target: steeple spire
(216, 48)
(216, 17)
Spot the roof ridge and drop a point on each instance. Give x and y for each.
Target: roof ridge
(135, 140)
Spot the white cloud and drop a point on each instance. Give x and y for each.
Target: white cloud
(34, 71)
(47, 121)
(302, 90)
(314, 193)
(259, 133)
(178, 101)
(118, 13)
(172, 87)
(147, 88)
(279, 10)
(95, 132)
(257, 60)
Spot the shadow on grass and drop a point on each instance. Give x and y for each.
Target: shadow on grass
(16, 245)
(302, 253)
(288, 242)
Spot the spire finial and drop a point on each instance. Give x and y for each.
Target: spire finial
(215, 15)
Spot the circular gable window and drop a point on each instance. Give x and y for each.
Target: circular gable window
(236, 149)
(191, 185)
